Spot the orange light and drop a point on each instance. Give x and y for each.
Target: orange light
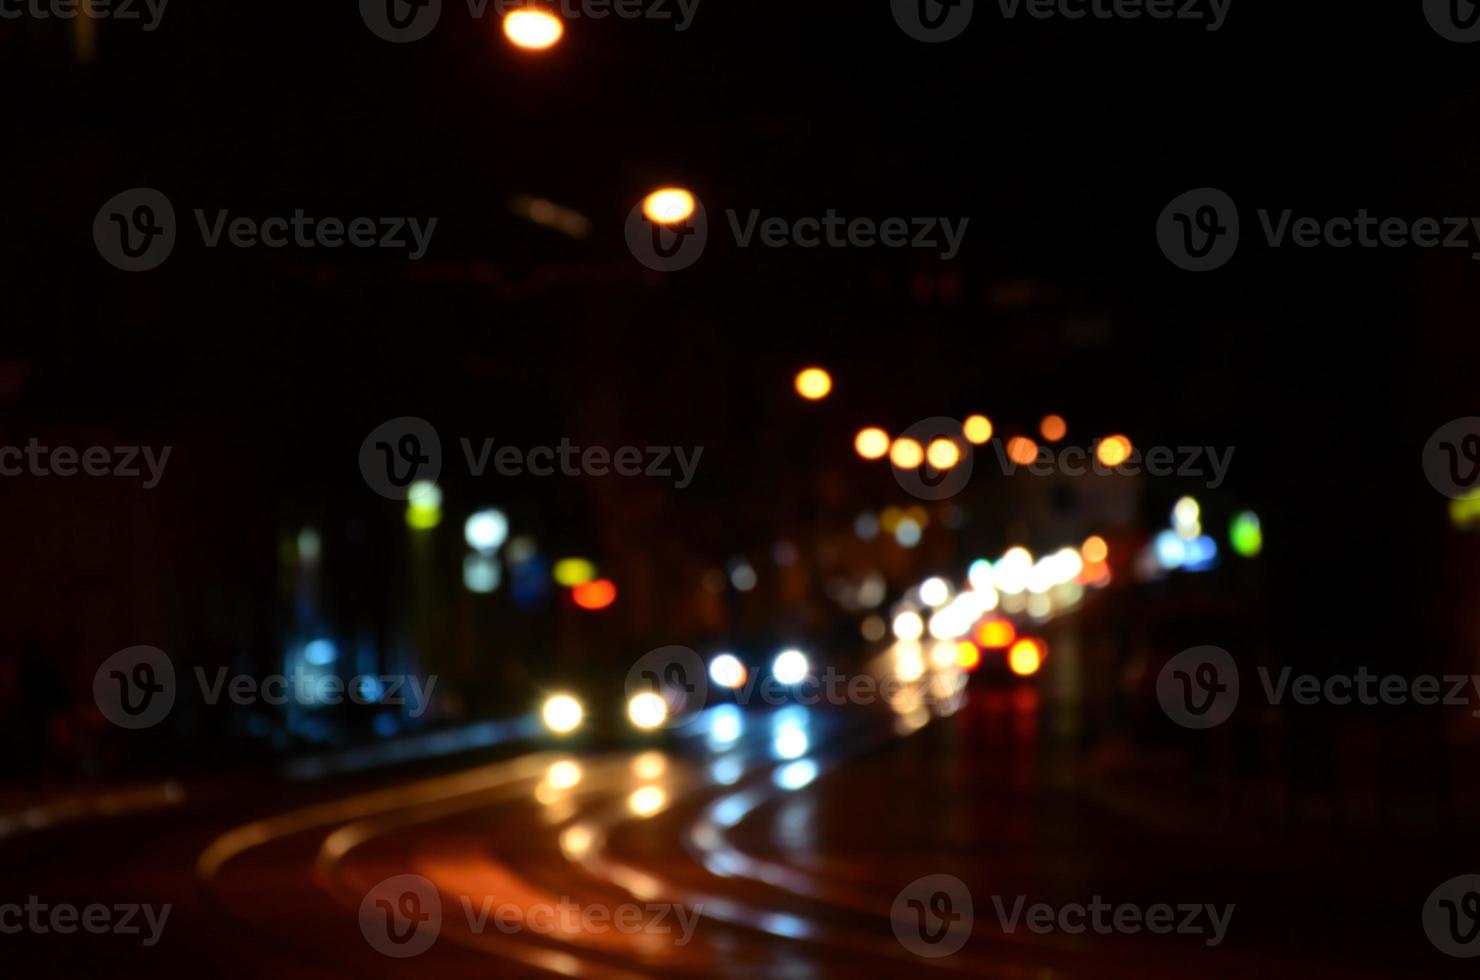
(1113, 450)
(668, 206)
(943, 453)
(1094, 549)
(1022, 450)
(906, 454)
(1026, 656)
(1053, 427)
(978, 429)
(871, 443)
(595, 595)
(533, 30)
(968, 657)
(1095, 573)
(996, 634)
(814, 384)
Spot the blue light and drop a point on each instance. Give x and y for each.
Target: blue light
(725, 725)
(797, 774)
(1202, 554)
(320, 653)
(1171, 550)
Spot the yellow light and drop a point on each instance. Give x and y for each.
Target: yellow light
(1113, 450)
(563, 774)
(978, 429)
(571, 572)
(871, 443)
(1053, 427)
(562, 714)
(1025, 657)
(647, 710)
(968, 657)
(996, 634)
(647, 801)
(533, 30)
(1094, 549)
(423, 505)
(814, 384)
(906, 454)
(1022, 450)
(649, 766)
(943, 454)
(890, 518)
(668, 206)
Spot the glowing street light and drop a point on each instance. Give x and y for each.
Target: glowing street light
(533, 30)
(978, 429)
(562, 714)
(871, 443)
(668, 206)
(814, 384)
(906, 453)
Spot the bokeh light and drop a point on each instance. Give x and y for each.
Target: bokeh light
(1245, 534)
(1022, 450)
(727, 671)
(571, 572)
(668, 206)
(978, 429)
(943, 453)
(1026, 656)
(1113, 450)
(533, 30)
(790, 667)
(871, 443)
(814, 384)
(1094, 549)
(562, 714)
(595, 595)
(906, 453)
(996, 634)
(1053, 428)
(647, 710)
(423, 505)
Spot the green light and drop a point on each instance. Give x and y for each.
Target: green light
(571, 572)
(1464, 511)
(1245, 534)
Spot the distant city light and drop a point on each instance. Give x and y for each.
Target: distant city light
(647, 800)
(563, 774)
(978, 429)
(1171, 550)
(486, 530)
(1022, 450)
(647, 710)
(814, 384)
(742, 575)
(968, 657)
(906, 453)
(871, 443)
(1026, 656)
(907, 533)
(310, 546)
(1094, 549)
(943, 453)
(562, 714)
(727, 671)
(873, 628)
(668, 206)
(790, 742)
(996, 634)
(320, 653)
(533, 30)
(866, 526)
(1185, 518)
(481, 574)
(935, 591)
(1201, 554)
(1053, 428)
(908, 626)
(571, 572)
(1113, 450)
(790, 667)
(423, 505)
(594, 595)
(1245, 534)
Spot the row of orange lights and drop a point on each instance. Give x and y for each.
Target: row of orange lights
(942, 453)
